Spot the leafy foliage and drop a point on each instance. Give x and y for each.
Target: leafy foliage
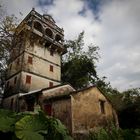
(115, 134)
(7, 121)
(56, 130)
(78, 65)
(7, 28)
(129, 114)
(29, 126)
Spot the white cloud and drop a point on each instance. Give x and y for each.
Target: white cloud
(117, 33)
(119, 41)
(19, 6)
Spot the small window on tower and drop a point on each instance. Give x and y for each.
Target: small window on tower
(28, 79)
(51, 68)
(51, 52)
(30, 60)
(50, 84)
(15, 80)
(18, 61)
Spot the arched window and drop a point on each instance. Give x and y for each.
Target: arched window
(38, 26)
(49, 33)
(58, 38)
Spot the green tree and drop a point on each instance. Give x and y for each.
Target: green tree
(129, 113)
(78, 65)
(7, 28)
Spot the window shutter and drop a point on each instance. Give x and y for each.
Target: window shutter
(51, 68)
(50, 84)
(28, 79)
(30, 60)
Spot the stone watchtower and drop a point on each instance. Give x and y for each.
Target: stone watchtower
(35, 60)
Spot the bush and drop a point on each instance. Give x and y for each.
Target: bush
(115, 134)
(30, 126)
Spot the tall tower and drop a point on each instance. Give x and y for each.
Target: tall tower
(35, 60)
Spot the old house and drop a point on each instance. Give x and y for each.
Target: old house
(34, 79)
(80, 111)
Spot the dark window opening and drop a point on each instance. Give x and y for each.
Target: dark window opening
(58, 38)
(48, 109)
(51, 52)
(30, 100)
(50, 84)
(28, 79)
(102, 106)
(30, 60)
(51, 68)
(38, 26)
(17, 61)
(15, 80)
(30, 107)
(49, 33)
(47, 44)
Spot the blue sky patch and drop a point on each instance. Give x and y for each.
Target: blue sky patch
(45, 2)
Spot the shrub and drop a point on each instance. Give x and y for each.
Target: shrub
(115, 134)
(30, 126)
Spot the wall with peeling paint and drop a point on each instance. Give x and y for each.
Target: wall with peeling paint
(86, 110)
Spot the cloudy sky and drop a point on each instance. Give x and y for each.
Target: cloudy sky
(113, 25)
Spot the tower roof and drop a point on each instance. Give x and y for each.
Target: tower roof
(45, 19)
